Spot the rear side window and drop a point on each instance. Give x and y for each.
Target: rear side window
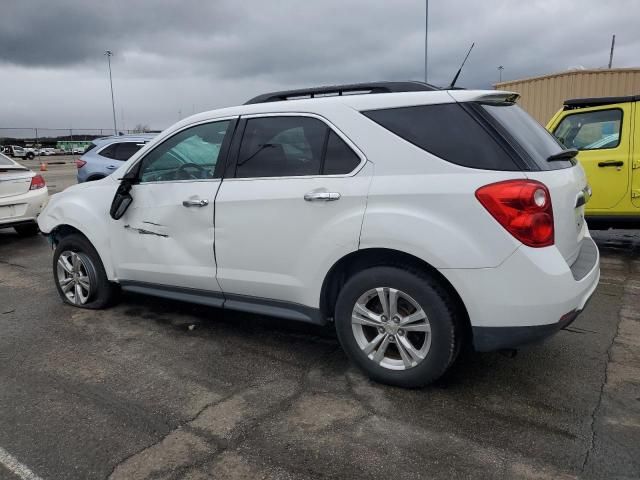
(597, 130)
(447, 131)
(121, 151)
(291, 146)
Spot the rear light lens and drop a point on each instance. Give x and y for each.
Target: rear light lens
(37, 182)
(80, 163)
(523, 208)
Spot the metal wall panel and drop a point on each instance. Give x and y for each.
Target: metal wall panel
(543, 96)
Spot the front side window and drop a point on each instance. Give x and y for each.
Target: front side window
(191, 154)
(595, 130)
(292, 147)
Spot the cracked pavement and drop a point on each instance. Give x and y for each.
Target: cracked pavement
(153, 389)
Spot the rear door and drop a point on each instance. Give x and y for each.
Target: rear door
(291, 203)
(603, 137)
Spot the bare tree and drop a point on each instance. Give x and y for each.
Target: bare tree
(141, 128)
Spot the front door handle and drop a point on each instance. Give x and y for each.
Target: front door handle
(611, 163)
(321, 196)
(195, 203)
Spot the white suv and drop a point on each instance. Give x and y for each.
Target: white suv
(415, 219)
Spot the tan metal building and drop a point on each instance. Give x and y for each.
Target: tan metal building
(543, 96)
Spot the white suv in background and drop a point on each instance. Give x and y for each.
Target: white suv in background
(415, 219)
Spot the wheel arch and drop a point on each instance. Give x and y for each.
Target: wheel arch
(358, 260)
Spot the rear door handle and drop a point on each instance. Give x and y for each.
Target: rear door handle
(195, 203)
(321, 196)
(611, 163)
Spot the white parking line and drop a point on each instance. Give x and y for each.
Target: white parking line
(12, 464)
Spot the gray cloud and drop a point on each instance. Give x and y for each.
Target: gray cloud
(172, 56)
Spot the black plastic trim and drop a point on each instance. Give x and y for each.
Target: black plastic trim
(604, 222)
(338, 90)
(18, 223)
(243, 303)
(597, 101)
(490, 339)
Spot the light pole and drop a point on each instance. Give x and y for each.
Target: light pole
(500, 69)
(426, 38)
(109, 53)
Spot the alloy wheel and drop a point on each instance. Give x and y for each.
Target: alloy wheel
(76, 276)
(391, 328)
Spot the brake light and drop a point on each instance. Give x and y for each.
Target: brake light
(80, 163)
(523, 208)
(37, 182)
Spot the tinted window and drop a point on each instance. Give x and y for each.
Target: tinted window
(90, 147)
(126, 150)
(447, 131)
(590, 130)
(110, 151)
(281, 147)
(340, 159)
(531, 137)
(191, 154)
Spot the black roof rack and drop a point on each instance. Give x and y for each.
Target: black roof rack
(337, 90)
(594, 102)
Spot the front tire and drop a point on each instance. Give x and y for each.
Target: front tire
(79, 275)
(398, 325)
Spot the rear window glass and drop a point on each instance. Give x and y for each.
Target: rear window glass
(5, 160)
(447, 131)
(533, 139)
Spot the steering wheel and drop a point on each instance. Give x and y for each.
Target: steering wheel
(182, 170)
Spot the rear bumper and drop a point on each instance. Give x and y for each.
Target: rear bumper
(488, 339)
(22, 209)
(531, 296)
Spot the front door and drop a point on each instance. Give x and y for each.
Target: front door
(603, 137)
(294, 206)
(166, 236)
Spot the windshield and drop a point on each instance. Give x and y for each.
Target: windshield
(532, 137)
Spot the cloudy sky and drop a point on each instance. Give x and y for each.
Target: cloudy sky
(173, 58)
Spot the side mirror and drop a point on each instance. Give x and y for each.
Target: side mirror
(122, 199)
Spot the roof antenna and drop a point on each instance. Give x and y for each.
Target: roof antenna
(455, 79)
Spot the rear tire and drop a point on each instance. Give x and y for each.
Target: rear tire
(79, 275)
(419, 333)
(27, 230)
(31, 155)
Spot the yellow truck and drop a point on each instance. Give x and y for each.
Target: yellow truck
(606, 133)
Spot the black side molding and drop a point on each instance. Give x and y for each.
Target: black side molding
(242, 303)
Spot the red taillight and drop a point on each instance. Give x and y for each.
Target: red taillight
(37, 182)
(80, 163)
(523, 208)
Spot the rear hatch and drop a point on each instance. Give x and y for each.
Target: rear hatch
(564, 178)
(14, 178)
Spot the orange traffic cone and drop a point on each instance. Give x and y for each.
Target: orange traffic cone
(43, 167)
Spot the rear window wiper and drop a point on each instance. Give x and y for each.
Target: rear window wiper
(567, 154)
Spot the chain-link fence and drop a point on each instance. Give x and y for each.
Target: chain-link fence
(63, 139)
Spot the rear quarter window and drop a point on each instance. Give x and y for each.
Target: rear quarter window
(448, 131)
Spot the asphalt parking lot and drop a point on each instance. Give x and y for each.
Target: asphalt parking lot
(159, 389)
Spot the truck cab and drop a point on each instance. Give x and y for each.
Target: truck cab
(606, 133)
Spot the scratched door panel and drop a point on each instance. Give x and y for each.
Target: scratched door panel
(163, 241)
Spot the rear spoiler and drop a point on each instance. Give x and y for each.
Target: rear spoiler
(484, 96)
